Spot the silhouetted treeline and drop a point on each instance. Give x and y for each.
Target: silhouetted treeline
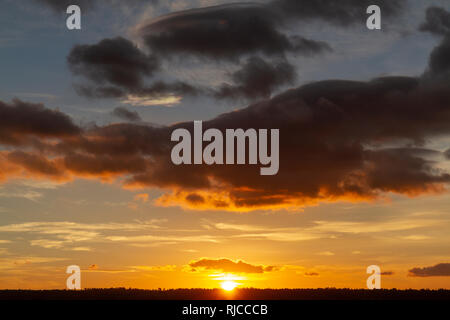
(218, 294)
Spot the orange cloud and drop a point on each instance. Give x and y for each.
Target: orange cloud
(142, 197)
(155, 268)
(227, 265)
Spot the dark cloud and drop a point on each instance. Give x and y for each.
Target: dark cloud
(439, 64)
(437, 21)
(258, 79)
(230, 32)
(116, 62)
(343, 12)
(332, 146)
(401, 170)
(311, 274)
(227, 265)
(387, 273)
(125, 114)
(103, 165)
(195, 198)
(20, 120)
(233, 30)
(115, 139)
(335, 144)
(439, 270)
(35, 163)
(116, 68)
(225, 32)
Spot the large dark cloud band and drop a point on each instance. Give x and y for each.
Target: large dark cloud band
(336, 142)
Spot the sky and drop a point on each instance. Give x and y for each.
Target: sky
(86, 115)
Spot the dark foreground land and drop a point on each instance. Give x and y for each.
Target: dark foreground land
(218, 294)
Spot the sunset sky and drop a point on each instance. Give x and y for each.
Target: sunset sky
(86, 115)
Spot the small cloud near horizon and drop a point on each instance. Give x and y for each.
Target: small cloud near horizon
(438, 270)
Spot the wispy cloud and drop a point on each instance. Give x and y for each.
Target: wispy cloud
(30, 195)
(155, 268)
(326, 253)
(63, 234)
(18, 262)
(130, 269)
(327, 229)
(67, 227)
(372, 226)
(168, 101)
(167, 239)
(281, 236)
(415, 237)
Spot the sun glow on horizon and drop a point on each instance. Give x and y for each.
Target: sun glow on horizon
(229, 285)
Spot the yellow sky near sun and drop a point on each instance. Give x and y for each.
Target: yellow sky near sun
(150, 247)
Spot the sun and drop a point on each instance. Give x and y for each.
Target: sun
(229, 285)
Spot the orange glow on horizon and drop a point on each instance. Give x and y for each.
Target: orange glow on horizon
(228, 285)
